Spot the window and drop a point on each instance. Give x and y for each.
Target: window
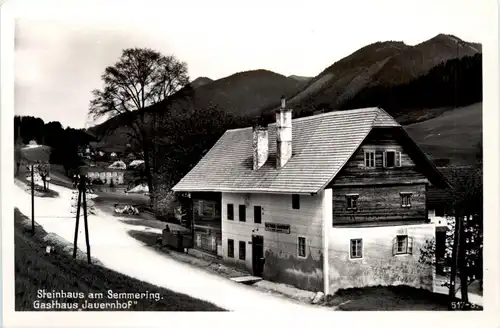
(352, 202)
(243, 213)
(242, 250)
(296, 201)
(356, 248)
(230, 248)
(405, 199)
(369, 158)
(230, 212)
(392, 158)
(402, 245)
(257, 214)
(301, 246)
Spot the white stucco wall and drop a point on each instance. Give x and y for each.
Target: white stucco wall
(282, 262)
(378, 266)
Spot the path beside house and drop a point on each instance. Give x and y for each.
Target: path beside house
(119, 243)
(112, 244)
(475, 296)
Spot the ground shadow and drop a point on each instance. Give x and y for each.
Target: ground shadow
(146, 237)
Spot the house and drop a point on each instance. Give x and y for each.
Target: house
(106, 175)
(330, 201)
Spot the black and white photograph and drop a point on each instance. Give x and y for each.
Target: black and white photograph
(275, 157)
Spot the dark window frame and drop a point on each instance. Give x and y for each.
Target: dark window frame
(352, 202)
(396, 159)
(355, 247)
(242, 213)
(230, 212)
(242, 250)
(301, 249)
(257, 214)
(230, 248)
(405, 199)
(296, 201)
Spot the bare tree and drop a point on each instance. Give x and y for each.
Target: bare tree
(140, 78)
(43, 171)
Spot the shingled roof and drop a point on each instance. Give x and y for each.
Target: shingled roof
(455, 176)
(321, 145)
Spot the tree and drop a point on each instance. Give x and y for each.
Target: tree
(140, 79)
(43, 171)
(466, 206)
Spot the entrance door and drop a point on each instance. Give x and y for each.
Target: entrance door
(257, 255)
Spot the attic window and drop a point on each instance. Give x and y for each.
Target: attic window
(369, 158)
(392, 159)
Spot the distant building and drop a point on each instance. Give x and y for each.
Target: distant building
(106, 175)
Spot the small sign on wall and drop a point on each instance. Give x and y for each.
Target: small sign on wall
(277, 227)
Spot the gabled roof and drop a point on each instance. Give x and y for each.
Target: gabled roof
(321, 145)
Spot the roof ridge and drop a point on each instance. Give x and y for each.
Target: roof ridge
(335, 112)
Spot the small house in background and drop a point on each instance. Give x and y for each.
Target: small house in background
(336, 200)
(106, 175)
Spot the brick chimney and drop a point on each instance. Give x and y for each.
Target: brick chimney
(283, 134)
(260, 145)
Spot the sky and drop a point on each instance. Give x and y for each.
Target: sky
(61, 53)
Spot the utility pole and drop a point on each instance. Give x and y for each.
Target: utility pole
(463, 274)
(32, 199)
(454, 258)
(192, 221)
(82, 204)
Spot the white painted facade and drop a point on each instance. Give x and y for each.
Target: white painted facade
(307, 222)
(327, 265)
(378, 264)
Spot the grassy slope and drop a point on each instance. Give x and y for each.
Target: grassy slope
(59, 271)
(452, 135)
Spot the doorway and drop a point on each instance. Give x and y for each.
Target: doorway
(257, 255)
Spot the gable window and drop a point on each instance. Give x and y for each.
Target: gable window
(230, 248)
(301, 246)
(402, 244)
(356, 251)
(405, 199)
(243, 213)
(257, 214)
(369, 158)
(352, 201)
(230, 212)
(296, 201)
(242, 249)
(392, 159)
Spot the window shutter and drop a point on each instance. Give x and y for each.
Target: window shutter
(394, 246)
(410, 245)
(398, 159)
(384, 158)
